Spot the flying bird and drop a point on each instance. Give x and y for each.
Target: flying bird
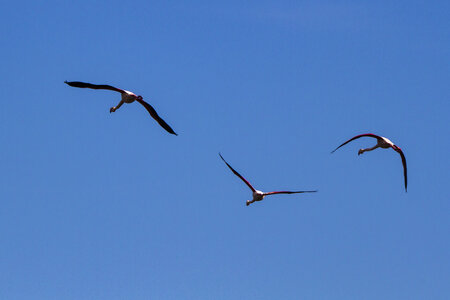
(384, 143)
(258, 195)
(127, 97)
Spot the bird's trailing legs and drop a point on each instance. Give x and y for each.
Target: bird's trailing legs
(114, 108)
(361, 151)
(251, 201)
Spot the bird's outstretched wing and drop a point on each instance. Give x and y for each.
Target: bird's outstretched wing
(238, 175)
(287, 192)
(405, 173)
(357, 137)
(80, 84)
(155, 116)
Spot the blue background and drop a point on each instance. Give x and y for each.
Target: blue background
(109, 206)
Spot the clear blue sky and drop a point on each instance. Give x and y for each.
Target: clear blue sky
(109, 206)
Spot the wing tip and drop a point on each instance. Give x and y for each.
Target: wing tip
(315, 191)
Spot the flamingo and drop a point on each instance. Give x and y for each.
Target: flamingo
(258, 195)
(384, 143)
(127, 97)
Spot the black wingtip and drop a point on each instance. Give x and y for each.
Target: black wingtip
(221, 157)
(169, 129)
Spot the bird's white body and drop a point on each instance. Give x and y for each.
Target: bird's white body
(385, 143)
(257, 196)
(128, 97)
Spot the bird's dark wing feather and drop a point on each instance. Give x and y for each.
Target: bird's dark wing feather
(238, 175)
(79, 84)
(405, 173)
(357, 137)
(287, 192)
(155, 116)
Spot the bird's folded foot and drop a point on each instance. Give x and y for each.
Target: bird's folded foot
(112, 109)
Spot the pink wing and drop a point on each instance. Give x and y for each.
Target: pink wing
(357, 137)
(287, 192)
(238, 175)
